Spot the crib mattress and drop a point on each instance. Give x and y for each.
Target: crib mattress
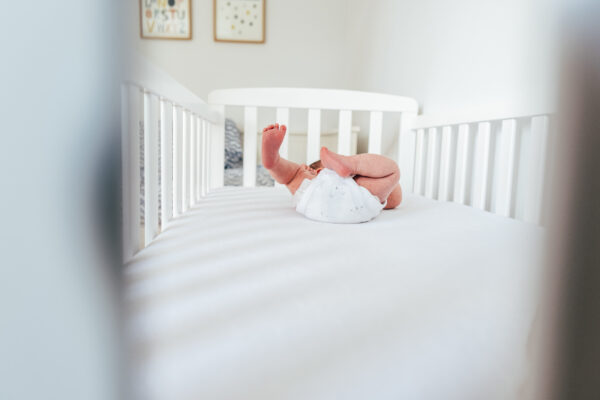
(243, 298)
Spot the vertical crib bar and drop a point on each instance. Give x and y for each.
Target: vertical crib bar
(205, 164)
(185, 160)
(166, 162)
(250, 146)
(420, 162)
(177, 160)
(504, 171)
(375, 132)
(406, 152)
(481, 163)
(193, 124)
(532, 209)
(216, 154)
(462, 164)
(151, 125)
(433, 157)
(446, 164)
(136, 117)
(126, 168)
(345, 133)
(198, 193)
(283, 118)
(313, 141)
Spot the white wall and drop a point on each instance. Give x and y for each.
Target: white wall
(456, 55)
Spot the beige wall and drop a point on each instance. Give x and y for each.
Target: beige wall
(304, 48)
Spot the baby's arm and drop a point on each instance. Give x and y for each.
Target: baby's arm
(282, 170)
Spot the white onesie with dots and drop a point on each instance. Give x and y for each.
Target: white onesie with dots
(331, 198)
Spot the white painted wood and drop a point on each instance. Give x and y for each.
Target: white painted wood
(535, 178)
(166, 162)
(504, 169)
(151, 126)
(177, 161)
(433, 166)
(447, 164)
(419, 180)
(192, 173)
(406, 152)
(126, 184)
(474, 117)
(151, 79)
(135, 107)
(375, 132)
(462, 164)
(345, 133)
(313, 136)
(282, 117)
(216, 143)
(185, 161)
(250, 145)
(205, 164)
(481, 166)
(324, 99)
(198, 192)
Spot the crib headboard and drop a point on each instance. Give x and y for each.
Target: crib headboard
(314, 100)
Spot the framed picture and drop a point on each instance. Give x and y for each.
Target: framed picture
(239, 21)
(166, 19)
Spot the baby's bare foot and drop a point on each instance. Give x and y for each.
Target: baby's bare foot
(272, 137)
(343, 165)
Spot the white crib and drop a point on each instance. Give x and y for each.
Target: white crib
(212, 251)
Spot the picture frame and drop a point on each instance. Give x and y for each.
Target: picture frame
(166, 19)
(239, 21)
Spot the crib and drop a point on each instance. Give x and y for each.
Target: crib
(231, 294)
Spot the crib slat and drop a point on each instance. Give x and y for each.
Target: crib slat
(504, 170)
(481, 166)
(185, 161)
(250, 146)
(446, 164)
(166, 162)
(127, 166)
(205, 164)
(431, 183)
(462, 164)
(375, 132)
(345, 133)
(193, 128)
(198, 192)
(283, 118)
(151, 125)
(177, 160)
(406, 152)
(313, 142)
(535, 173)
(420, 162)
(216, 144)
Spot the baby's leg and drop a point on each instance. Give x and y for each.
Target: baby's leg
(282, 170)
(378, 174)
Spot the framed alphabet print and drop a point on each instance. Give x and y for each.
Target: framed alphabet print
(166, 19)
(241, 21)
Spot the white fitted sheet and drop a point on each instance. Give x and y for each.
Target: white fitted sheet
(243, 298)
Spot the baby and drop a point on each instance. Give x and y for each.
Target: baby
(377, 174)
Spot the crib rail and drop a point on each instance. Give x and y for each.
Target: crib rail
(494, 163)
(166, 132)
(315, 101)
